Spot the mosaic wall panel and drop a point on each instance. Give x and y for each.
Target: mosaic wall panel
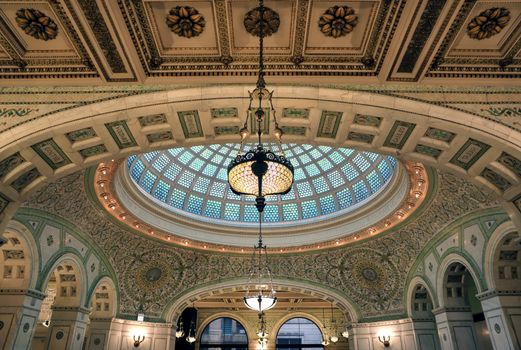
(51, 153)
(371, 273)
(121, 134)
(150, 120)
(10, 163)
(294, 130)
(441, 135)
(495, 179)
(399, 134)
(299, 113)
(93, 151)
(367, 120)
(190, 123)
(359, 137)
(80, 135)
(226, 130)
(160, 136)
(510, 162)
(329, 123)
(428, 151)
(469, 153)
(25, 179)
(230, 112)
(517, 202)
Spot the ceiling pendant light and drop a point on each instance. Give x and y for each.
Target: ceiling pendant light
(179, 332)
(260, 172)
(191, 333)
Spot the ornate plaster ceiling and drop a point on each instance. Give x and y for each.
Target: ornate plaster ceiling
(386, 41)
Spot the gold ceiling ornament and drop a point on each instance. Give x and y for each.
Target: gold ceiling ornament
(338, 21)
(270, 21)
(489, 22)
(36, 24)
(185, 21)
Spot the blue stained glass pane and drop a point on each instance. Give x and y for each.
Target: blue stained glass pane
(360, 190)
(271, 213)
(350, 172)
(210, 170)
(336, 157)
(361, 162)
(206, 154)
(321, 185)
(186, 179)
(327, 205)
(374, 181)
(385, 170)
(161, 191)
(315, 154)
(150, 155)
(344, 198)
(197, 149)
(148, 181)
(194, 204)
(217, 189)
(160, 163)
(298, 150)
(176, 151)
(372, 156)
(137, 170)
(312, 170)
(299, 174)
(217, 159)
(304, 189)
(325, 149)
(289, 196)
(197, 164)
(130, 160)
(213, 209)
(177, 198)
(185, 157)
(392, 161)
(232, 212)
(309, 209)
(336, 179)
(325, 164)
(222, 174)
(172, 172)
(290, 212)
(231, 195)
(201, 185)
(251, 214)
(346, 151)
(304, 159)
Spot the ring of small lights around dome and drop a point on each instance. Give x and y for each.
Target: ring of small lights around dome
(216, 157)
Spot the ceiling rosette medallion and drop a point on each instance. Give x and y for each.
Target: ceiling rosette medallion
(489, 22)
(36, 24)
(185, 21)
(271, 21)
(338, 21)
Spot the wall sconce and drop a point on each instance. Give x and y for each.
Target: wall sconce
(180, 332)
(345, 334)
(385, 340)
(138, 339)
(191, 333)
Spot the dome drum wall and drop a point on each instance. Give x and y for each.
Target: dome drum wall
(143, 192)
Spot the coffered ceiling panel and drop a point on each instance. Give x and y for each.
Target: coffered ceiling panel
(170, 44)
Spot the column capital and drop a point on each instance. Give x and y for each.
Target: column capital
(446, 309)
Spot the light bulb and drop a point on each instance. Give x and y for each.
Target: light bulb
(333, 338)
(345, 334)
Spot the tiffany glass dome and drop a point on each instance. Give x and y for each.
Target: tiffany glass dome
(192, 182)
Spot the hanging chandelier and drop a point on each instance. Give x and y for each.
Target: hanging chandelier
(260, 172)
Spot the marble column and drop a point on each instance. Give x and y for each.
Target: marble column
(19, 309)
(456, 328)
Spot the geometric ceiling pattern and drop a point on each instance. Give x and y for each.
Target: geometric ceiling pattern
(126, 41)
(328, 182)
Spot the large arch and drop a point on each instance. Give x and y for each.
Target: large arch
(418, 281)
(116, 128)
(174, 309)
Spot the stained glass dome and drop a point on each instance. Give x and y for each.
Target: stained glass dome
(192, 181)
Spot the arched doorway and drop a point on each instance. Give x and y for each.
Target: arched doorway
(421, 314)
(63, 319)
(299, 333)
(462, 322)
(224, 333)
(103, 307)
